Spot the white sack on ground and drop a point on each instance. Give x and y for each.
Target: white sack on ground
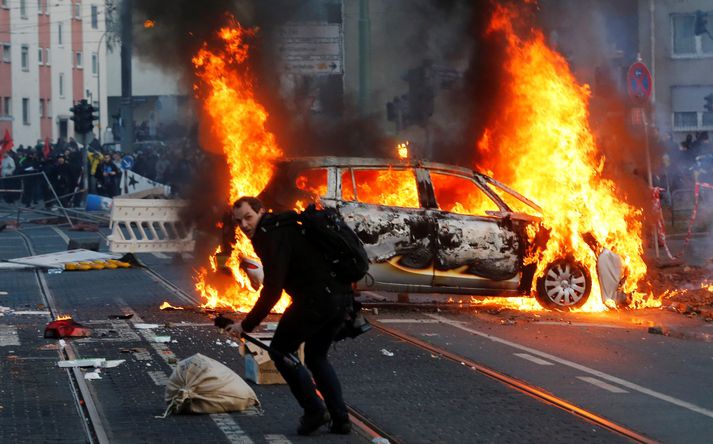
(609, 270)
(200, 384)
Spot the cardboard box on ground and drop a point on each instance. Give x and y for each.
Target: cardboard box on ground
(259, 368)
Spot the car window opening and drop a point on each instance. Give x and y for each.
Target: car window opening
(392, 187)
(313, 183)
(461, 195)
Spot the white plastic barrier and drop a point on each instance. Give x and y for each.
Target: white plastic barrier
(149, 225)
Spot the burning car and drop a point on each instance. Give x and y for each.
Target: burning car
(433, 228)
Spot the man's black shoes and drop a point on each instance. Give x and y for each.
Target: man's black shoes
(343, 427)
(311, 422)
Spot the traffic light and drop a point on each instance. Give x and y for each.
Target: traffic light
(83, 117)
(709, 103)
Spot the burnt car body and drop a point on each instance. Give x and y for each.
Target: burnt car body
(430, 227)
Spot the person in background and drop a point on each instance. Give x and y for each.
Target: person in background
(8, 169)
(106, 174)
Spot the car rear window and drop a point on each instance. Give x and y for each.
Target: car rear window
(388, 186)
(460, 195)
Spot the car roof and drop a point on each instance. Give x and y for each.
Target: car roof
(336, 161)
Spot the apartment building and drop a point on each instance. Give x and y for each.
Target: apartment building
(52, 56)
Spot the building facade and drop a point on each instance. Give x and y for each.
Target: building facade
(676, 42)
(52, 54)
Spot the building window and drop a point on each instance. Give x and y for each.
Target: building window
(23, 9)
(39, 55)
(59, 33)
(78, 11)
(6, 104)
(3, 4)
(95, 17)
(42, 108)
(685, 40)
(94, 63)
(687, 119)
(78, 59)
(25, 58)
(49, 109)
(47, 56)
(6, 52)
(26, 111)
(61, 85)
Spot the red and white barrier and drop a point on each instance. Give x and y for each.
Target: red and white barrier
(662, 232)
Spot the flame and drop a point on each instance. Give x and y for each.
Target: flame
(167, 306)
(543, 146)
(148, 24)
(225, 88)
(402, 150)
(63, 317)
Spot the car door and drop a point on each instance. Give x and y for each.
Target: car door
(383, 206)
(476, 245)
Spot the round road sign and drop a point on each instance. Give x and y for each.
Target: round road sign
(638, 82)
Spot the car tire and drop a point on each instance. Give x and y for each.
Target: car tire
(564, 285)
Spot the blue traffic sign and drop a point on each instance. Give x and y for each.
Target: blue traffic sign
(127, 162)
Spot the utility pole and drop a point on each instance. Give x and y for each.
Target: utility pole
(127, 107)
(364, 56)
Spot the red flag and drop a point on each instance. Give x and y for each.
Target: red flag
(6, 143)
(47, 148)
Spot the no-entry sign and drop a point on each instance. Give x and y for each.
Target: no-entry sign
(638, 82)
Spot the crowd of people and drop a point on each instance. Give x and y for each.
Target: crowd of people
(62, 163)
(687, 162)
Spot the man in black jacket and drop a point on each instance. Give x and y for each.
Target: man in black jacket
(319, 304)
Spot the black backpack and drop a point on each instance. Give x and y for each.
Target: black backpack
(339, 244)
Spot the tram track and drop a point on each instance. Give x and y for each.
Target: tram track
(81, 392)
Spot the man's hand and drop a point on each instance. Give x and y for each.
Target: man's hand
(234, 329)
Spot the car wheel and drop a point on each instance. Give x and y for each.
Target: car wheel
(565, 285)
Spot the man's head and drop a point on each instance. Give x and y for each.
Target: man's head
(247, 212)
(107, 158)
(60, 160)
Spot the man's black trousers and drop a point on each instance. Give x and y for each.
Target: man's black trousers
(315, 323)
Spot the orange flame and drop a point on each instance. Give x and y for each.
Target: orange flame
(237, 120)
(402, 150)
(148, 24)
(543, 146)
(167, 306)
(63, 317)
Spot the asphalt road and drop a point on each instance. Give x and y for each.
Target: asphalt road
(607, 364)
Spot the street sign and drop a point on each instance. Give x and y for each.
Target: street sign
(311, 48)
(638, 82)
(127, 162)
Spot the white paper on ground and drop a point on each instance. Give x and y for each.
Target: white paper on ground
(163, 339)
(113, 363)
(92, 375)
(145, 326)
(90, 362)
